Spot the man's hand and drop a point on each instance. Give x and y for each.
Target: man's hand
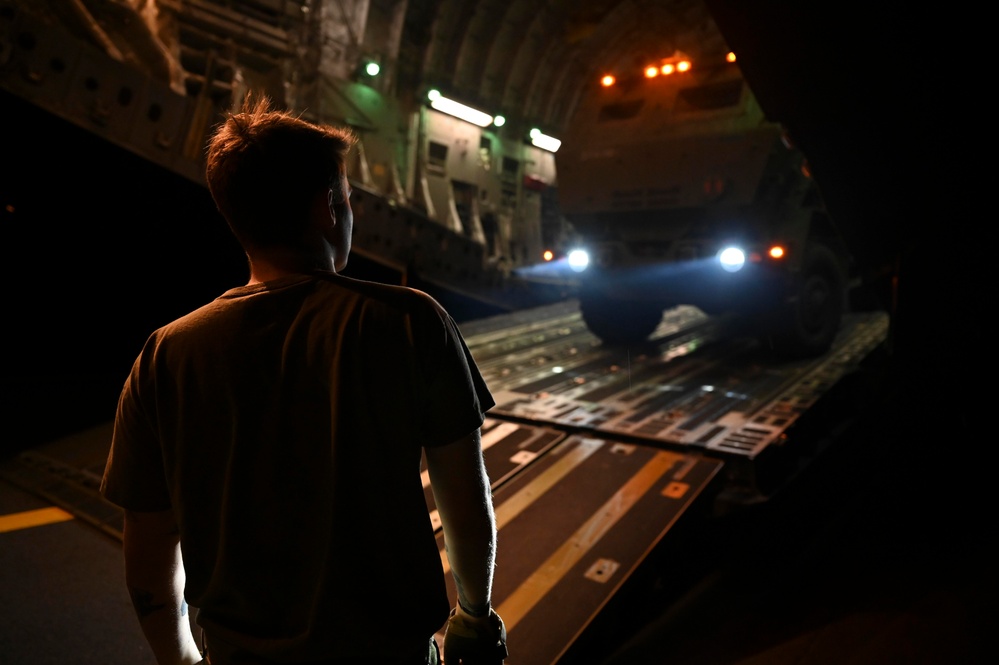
(472, 641)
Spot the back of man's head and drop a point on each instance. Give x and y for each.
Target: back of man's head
(264, 168)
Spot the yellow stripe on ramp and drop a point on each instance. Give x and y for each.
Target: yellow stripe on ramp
(534, 588)
(30, 518)
(509, 509)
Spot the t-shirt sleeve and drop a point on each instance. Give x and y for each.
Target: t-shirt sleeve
(134, 476)
(455, 397)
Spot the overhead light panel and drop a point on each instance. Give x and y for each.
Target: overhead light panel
(545, 142)
(458, 110)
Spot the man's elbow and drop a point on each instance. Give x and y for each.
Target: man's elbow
(151, 547)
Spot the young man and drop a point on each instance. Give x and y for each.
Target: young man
(267, 445)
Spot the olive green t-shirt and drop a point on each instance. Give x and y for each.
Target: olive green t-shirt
(284, 423)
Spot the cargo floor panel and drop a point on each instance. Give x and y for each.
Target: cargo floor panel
(574, 526)
(728, 397)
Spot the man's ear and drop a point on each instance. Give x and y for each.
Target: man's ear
(329, 205)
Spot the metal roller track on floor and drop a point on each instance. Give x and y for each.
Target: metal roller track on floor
(689, 387)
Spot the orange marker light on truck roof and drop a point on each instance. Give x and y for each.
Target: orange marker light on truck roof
(667, 69)
(651, 72)
(683, 66)
(607, 80)
(776, 252)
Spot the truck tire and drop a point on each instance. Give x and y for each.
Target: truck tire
(620, 323)
(810, 323)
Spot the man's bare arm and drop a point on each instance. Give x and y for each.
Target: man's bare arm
(464, 501)
(154, 574)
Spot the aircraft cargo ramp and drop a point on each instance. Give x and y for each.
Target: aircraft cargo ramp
(598, 457)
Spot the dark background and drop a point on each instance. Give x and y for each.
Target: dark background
(102, 247)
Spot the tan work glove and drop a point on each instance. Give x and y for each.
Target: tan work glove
(472, 641)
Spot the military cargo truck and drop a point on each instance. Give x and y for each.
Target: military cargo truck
(680, 191)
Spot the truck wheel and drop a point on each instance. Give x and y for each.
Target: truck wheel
(619, 323)
(812, 321)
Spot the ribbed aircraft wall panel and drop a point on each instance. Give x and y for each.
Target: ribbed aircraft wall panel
(48, 67)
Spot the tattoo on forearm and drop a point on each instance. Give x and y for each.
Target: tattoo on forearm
(142, 601)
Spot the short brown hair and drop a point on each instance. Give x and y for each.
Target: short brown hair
(265, 166)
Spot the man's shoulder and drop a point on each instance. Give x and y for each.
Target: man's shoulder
(337, 295)
(403, 299)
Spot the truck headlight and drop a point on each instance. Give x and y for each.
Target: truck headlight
(578, 259)
(732, 259)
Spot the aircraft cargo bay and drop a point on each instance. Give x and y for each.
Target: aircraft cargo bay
(671, 485)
